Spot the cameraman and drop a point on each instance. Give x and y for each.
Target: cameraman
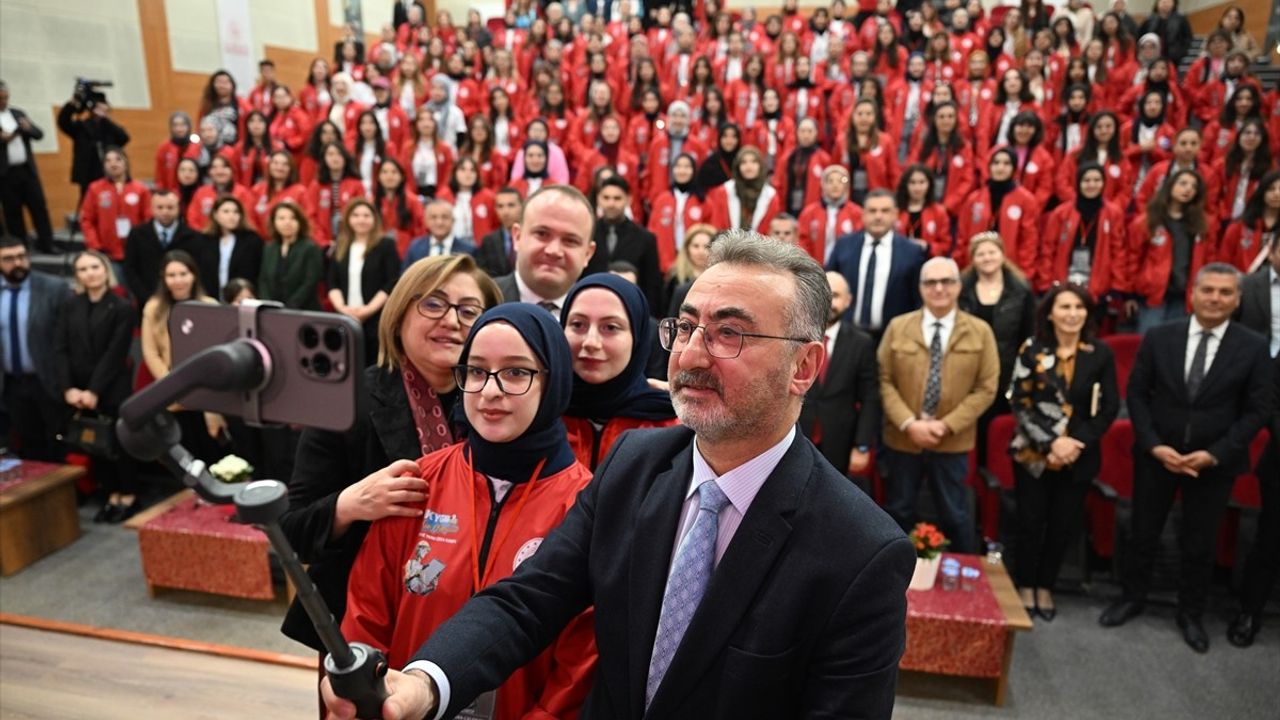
(19, 181)
(86, 119)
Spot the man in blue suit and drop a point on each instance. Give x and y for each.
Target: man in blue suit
(439, 239)
(881, 266)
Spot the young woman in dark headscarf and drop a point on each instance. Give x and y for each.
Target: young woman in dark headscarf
(489, 503)
(748, 200)
(610, 331)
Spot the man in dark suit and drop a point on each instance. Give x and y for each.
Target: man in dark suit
(1260, 300)
(553, 247)
(841, 412)
(86, 119)
(496, 254)
(1200, 389)
(19, 182)
(147, 243)
(705, 549)
(439, 239)
(881, 266)
(29, 305)
(619, 238)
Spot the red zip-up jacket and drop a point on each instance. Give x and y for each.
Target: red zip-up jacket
(168, 155)
(1150, 260)
(202, 204)
(591, 446)
(1110, 249)
(934, 229)
(962, 173)
(262, 207)
(1017, 224)
(108, 213)
(414, 573)
(813, 227)
(321, 205)
(662, 223)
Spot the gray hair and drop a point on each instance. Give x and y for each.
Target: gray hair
(807, 315)
(1218, 268)
(941, 260)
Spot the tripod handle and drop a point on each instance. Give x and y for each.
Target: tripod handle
(363, 683)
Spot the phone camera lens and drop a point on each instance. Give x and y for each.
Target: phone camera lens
(309, 337)
(333, 338)
(320, 364)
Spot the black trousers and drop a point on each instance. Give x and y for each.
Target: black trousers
(20, 187)
(1050, 516)
(1204, 500)
(34, 418)
(1263, 566)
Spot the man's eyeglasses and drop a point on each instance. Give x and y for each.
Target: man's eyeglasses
(939, 282)
(434, 308)
(722, 340)
(511, 381)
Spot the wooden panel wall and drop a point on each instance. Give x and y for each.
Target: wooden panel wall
(170, 91)
(1256, 15)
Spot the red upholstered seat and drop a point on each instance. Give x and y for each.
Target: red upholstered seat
(1125, 349)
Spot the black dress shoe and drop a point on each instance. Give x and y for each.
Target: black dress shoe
(105, 513)
(1193, 632)
(1244, 629)
(1048, 614)
(124, 512)
(1120, 612)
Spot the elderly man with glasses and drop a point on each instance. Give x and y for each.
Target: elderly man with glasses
(939, 368)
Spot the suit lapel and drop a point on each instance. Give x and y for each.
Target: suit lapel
(1180, 347)
(1226, 349)
(744, 567)
(654, 538)
(841, 356)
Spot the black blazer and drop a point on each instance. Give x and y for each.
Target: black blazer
(1255, 302)
(1174, 33)
(49, 294)
(326, 463)
(92, 350)
(246, 259)
(804, 616)
(1013, 319)
(507, 284)
(636, 246)
(1233, 403)
(848, 403)
(142, 254)
(381, 270)
(90, 136)
(491, 255)
(293, 279)
(903, 292)
(24, 136)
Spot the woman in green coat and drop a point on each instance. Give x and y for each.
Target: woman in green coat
(292, 265)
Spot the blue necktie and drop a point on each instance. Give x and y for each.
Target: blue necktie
(15, 337)
(869, 287)
(689, 577)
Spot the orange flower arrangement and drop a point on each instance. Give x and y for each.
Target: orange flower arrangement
(929, 541)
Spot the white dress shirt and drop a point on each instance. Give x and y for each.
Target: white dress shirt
(16, 149)
(884, 258)
(226, 246)
(1274, 285)
(529, 296)
(948, 325)
(355, 270)
(1193, 340)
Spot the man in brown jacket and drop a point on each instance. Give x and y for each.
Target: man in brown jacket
(939, 368)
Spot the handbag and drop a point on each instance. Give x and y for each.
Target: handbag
(93, 434)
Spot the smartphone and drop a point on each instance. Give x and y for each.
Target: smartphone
(317, 359)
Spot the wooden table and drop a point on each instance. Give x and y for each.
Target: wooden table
(37, 512)
(966, 633)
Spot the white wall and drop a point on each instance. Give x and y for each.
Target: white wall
(45, 44)
(193, 30)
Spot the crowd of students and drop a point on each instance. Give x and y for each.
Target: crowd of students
(1046, 149)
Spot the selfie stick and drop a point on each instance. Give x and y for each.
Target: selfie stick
(149, 432)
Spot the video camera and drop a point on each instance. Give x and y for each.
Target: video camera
(89, 92)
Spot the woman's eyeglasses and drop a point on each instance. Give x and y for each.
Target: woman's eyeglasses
(511, 381)
(434, 308)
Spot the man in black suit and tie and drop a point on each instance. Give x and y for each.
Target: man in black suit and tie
(496, 254)
(1200, 389)
(148, 242)
(881, 266)
(553, 247)
(19, 182)
(29, 305)
(1260, 300)
(705, 549)
(439, 239)
(841, 412)
(619, 238)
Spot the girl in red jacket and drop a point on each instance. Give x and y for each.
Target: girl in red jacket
(1167, 247)
(1220, 134)
(369, 149)
(748, 200)
(1238, 173)
(425, 157)
(677, 209)
(474, 205)
(1065, 134)
(1003, 206)
(336, 184)
(921, 216)
(487, 505)
(479, 146)
(314, 95)
(1249, 239)
(869, 154)
(948, 156)
(611, 331)
(221, 182)
(829, 217)
(797, 175)
(1101, 146)
(400, 209)
(280, 184)
(112, 206)
(179, 145)
(1146, 141)
(289, 122)
(1035, 164)
(1012, 97)
(321, 135)
(1084, 240)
